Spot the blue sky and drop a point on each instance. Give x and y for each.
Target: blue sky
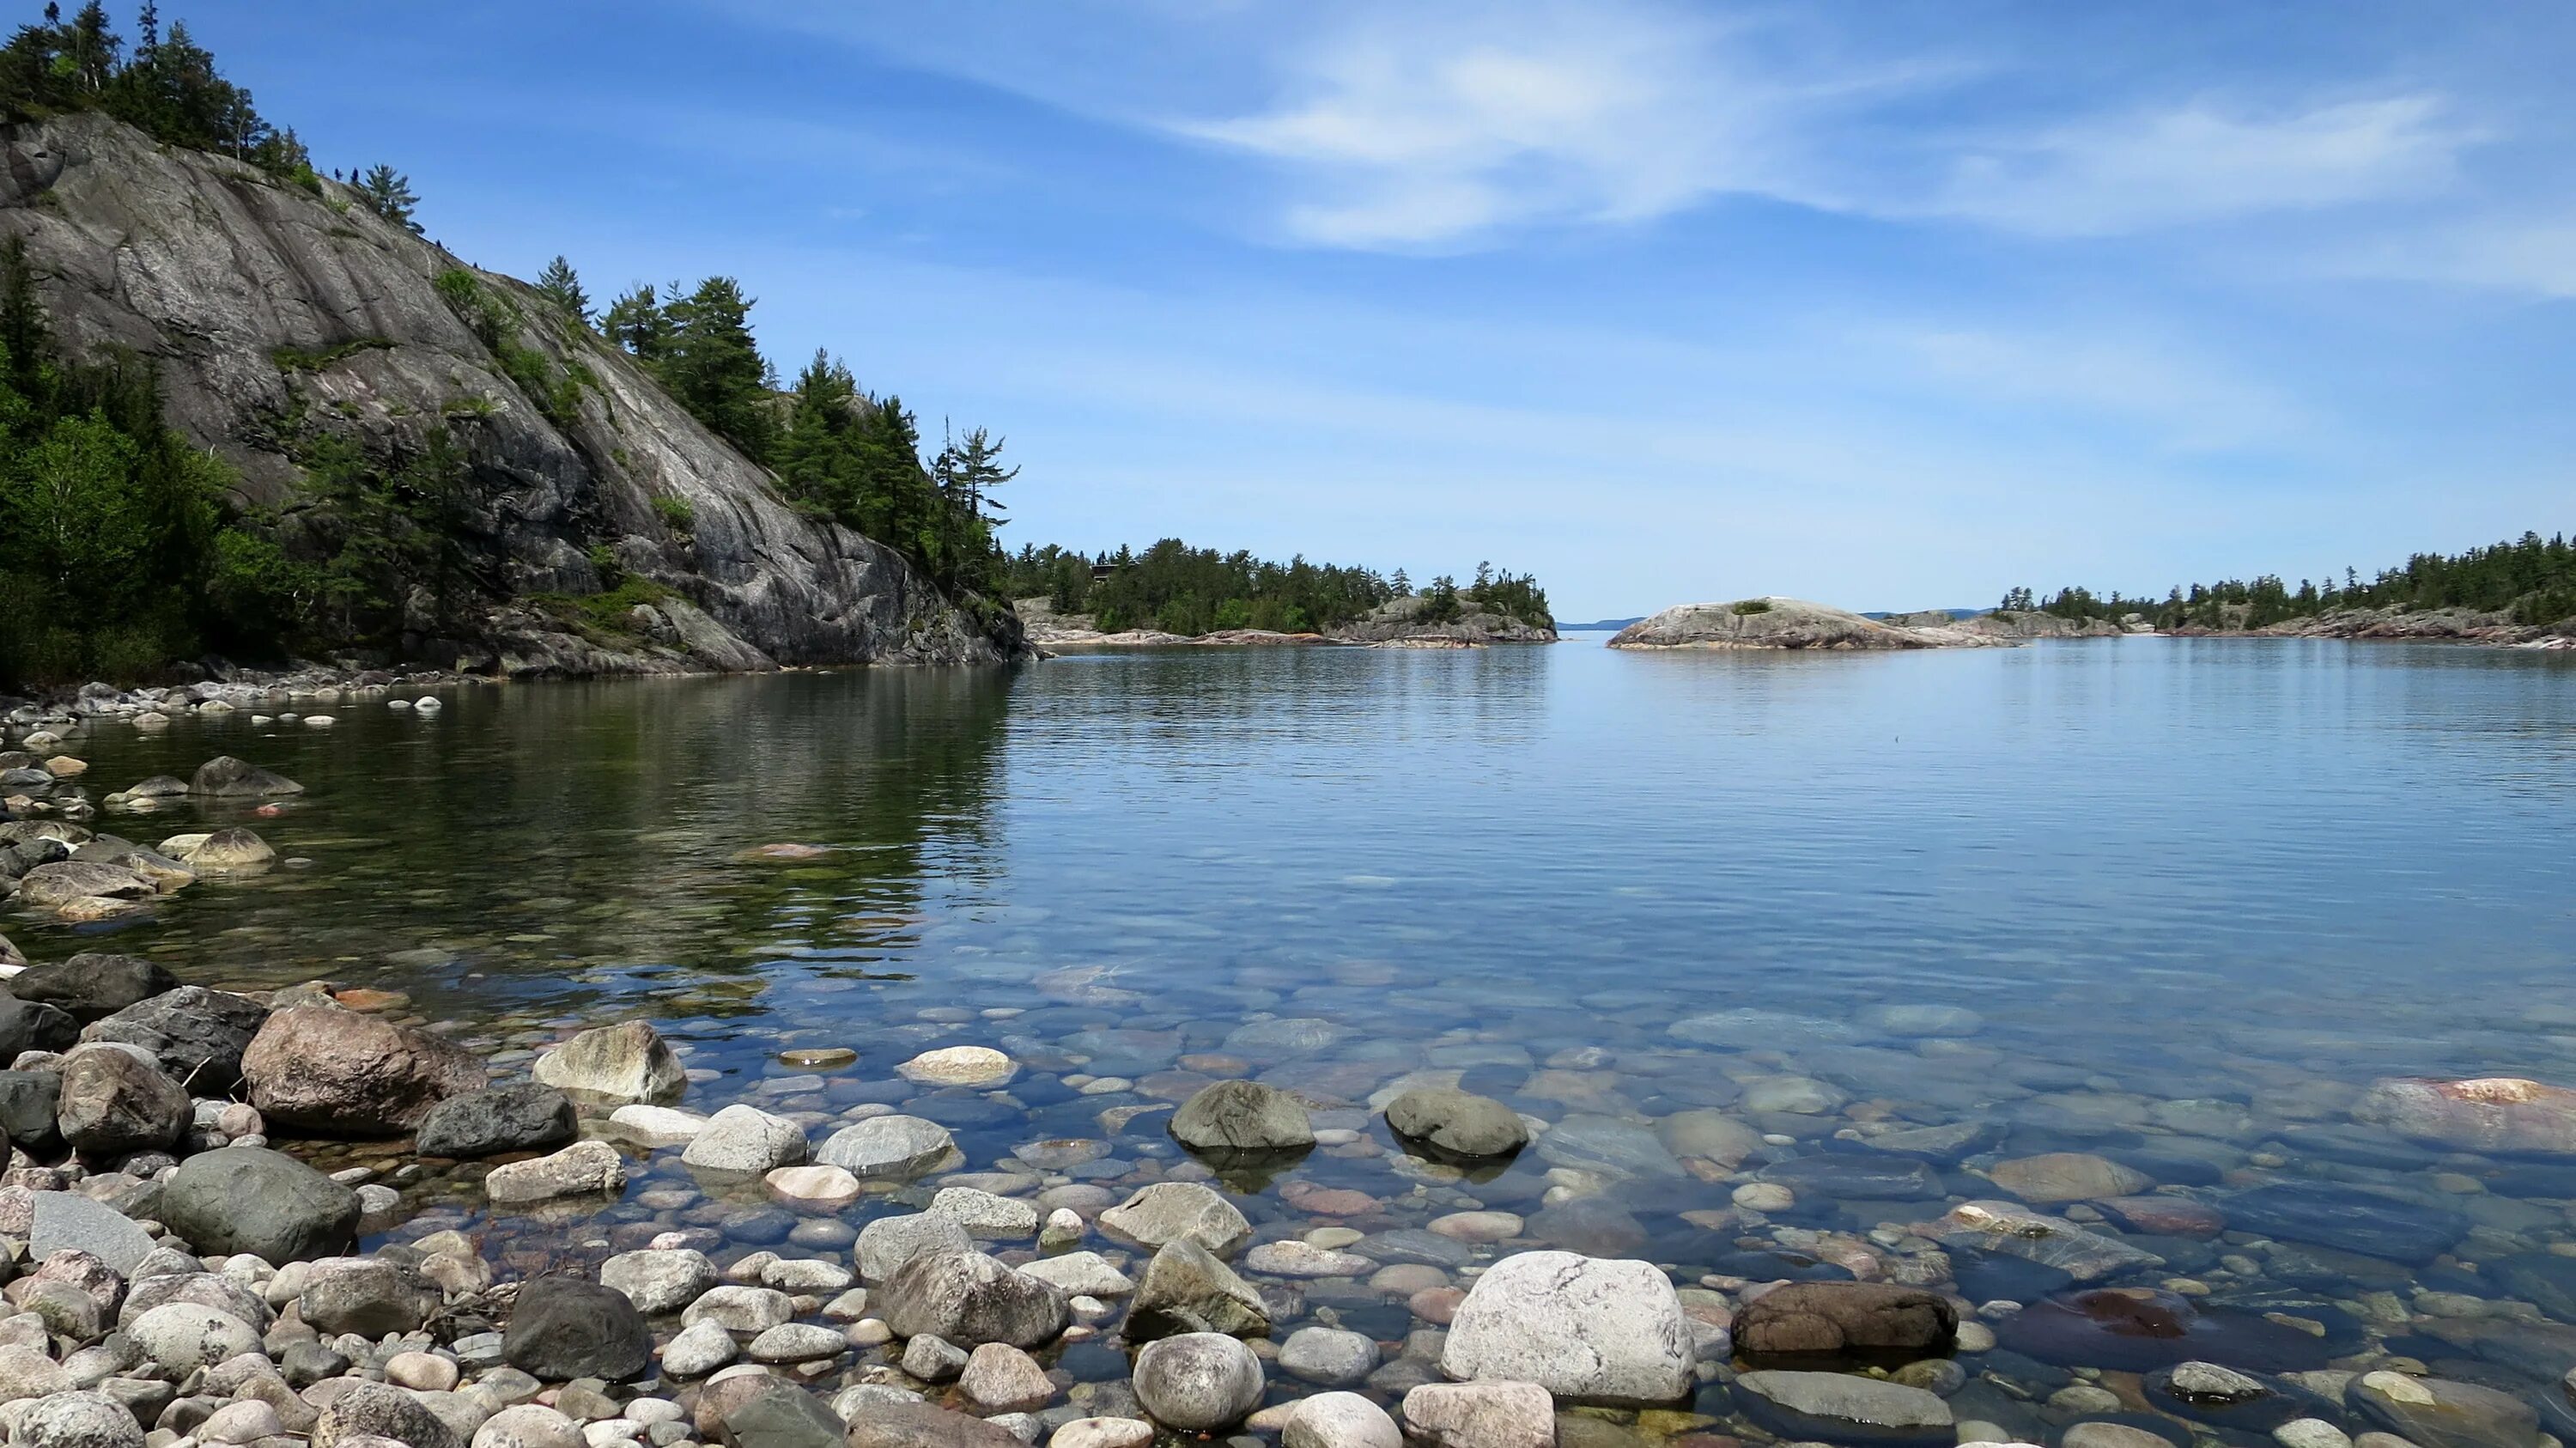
(1886, 304)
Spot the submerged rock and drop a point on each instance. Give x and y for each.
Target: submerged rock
(581, 1169)
(2008, 1230)
(1581, 1327)
(2349, 1219)
(224, 777)
(2433, 1413)
(2487, 1114)
(1861, 1319)
(894, 1148)
(1842, 1408)
(1481, 1415)
(2067, 1176)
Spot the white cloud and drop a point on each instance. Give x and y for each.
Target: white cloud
(1434, 129)
(2184, 401)
(2204, 162)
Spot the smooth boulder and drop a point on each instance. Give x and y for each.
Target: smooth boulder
(1167, 1211)
(1198, 1381)
(251, 1199)
(1186, 1289)
(224, 777)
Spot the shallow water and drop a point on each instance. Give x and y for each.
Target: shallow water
(2195, 893)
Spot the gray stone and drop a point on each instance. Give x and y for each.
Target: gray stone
(780, 1415)
(68, 1221)
(698, 1350)
(582, 1169)
(1197, 1381)
(92, 984)
(78, 1420)
(933, 1359)
(1607, 1144)
(251, 1199)
(742, 1309)
(659, 1280)
(884, 1424)
(746, 1139)
(1328, 1356)
(1339, 1420)
(984, 1214)
(1000, 1378)
(1186, 1289)
(224, 777)
(970, 1299)
(370, 1296)
(114, 1104)
(888, 1242)
(198, 1035)
(891, 1148)
(180, 1336)
(1168, 1211)
(368, 1410)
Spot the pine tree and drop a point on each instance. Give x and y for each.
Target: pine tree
(637, 323)
(388, 193)
(562, 286)
(713, 366)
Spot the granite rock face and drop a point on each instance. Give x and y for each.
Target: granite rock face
(262, 301)
(1581, 1327)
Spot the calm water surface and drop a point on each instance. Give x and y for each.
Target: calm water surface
(2187, 896)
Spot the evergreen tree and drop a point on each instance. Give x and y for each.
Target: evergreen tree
(635, 322)
(562, 286)
(711, 364)
(388, 193)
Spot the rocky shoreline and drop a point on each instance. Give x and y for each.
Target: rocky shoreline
(315, 1214)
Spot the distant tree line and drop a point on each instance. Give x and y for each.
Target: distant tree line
(2531, 578)
(1191, 591)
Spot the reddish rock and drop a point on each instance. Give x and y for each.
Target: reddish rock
(2164, 1216)
(1328, 1201)
(339, 1071)
(1840, 1318)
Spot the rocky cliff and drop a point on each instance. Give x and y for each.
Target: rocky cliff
(278, 314)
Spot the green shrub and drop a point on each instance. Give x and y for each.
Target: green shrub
(1753, 605)
(679, 513)
(314, 359)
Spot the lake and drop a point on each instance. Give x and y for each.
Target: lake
(2166, 906)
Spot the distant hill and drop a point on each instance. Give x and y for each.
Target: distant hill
(1888, 613)
(1606, 625)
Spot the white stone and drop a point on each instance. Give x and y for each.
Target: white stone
(960, 1066)
(1580, 1327)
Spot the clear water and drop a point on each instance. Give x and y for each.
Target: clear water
(2248, 875)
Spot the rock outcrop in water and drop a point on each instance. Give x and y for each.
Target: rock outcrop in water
(1398, 623)
(277, 314)
(1781, 623)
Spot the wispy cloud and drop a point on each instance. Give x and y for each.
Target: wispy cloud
(1436, 129)
(2205, 161)
(1444, 130)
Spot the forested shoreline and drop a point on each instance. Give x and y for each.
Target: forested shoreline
(1175, 588)
(2531, 580)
